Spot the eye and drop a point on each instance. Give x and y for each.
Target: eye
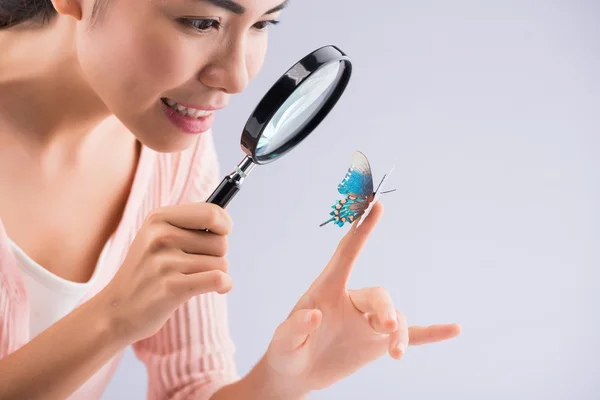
(263, 25)
(201, 25)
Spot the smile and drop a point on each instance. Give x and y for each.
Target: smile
(186, 111)
(187, 119)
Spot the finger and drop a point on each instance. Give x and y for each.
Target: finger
(350, 246)
(293, 332)
(378, 208)
(197, 216)
(434, 333)
(399, 339)
(200, 283)
(376, 301)
(193, 242)
(187, 264)
(354, 240)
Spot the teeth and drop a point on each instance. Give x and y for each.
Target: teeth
(187, 111)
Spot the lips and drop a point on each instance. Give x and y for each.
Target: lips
(186, 111)
(187, 119)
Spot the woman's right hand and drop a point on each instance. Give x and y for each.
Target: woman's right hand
(171, 259)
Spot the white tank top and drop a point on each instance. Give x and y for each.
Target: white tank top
(50, 296)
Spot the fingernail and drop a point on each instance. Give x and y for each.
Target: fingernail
(391, 315)
(308, 317)
(401, 346)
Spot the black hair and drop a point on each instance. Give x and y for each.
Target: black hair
(15, 12)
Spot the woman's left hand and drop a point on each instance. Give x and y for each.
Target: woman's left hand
(332, 332)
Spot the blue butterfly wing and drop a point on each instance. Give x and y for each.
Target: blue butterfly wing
(359, 178)
(348, 210)
(357, 188)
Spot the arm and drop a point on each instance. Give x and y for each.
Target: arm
(156, 277)
(191, 356)
(62, 358)
(261, 383)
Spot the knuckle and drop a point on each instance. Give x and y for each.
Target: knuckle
(221, 246)
(159, 237)
(167, 288)
(223, 264)
(219, 280)
(160, 263)
(227, 222)
(149, 236)
(212, 215)
(154, 216)
(403, 324)
(379, 292)
(217, 216)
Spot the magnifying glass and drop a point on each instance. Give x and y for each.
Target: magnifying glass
(292, 108)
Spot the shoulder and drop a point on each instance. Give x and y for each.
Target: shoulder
(193, 173)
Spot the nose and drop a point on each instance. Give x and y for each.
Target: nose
(228, 69)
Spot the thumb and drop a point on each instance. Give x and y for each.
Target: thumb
(293, 332)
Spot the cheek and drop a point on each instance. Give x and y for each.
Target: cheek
(132, 63)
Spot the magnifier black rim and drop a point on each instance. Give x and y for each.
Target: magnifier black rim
(282, 90)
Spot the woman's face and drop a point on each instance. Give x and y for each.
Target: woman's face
(164, 66)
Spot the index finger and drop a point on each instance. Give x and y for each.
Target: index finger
(351, 245)
(197, 216)
(353, 242)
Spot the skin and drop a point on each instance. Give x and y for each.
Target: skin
(94, 88)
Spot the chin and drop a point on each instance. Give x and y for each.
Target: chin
(160, 135)
(167, 142)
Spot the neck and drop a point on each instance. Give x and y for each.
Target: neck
(45, 100)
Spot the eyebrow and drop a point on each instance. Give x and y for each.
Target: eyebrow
(238, 9)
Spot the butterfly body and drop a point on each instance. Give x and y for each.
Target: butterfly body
(357, 189)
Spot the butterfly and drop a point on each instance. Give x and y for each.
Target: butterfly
(357, 189)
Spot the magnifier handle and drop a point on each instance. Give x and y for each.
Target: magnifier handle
(224, 192)
(231, 184)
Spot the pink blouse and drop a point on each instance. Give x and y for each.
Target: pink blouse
(192, 355)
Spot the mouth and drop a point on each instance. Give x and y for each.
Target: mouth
(186, 118)
(186, 111)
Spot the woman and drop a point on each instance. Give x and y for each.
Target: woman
(106, 157)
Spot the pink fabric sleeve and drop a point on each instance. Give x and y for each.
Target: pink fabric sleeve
(192, 356)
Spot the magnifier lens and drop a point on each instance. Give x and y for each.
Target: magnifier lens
(293, 107)
(299, 108)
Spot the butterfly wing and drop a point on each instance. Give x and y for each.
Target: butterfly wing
(357, 188)
(348, 210)
(359, 178)
(376, 196)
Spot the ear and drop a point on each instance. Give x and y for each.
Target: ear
(70, 8)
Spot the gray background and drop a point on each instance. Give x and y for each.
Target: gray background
(490, 111)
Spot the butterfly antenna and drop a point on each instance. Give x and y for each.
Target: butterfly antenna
(326, 222)
(380, 182)
(388, 191)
